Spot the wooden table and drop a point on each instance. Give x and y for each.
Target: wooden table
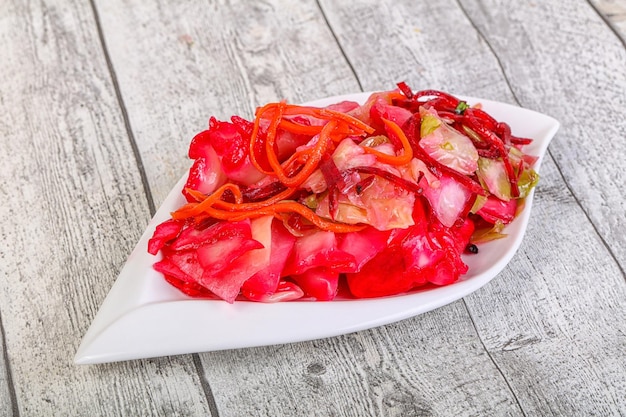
(99, 100)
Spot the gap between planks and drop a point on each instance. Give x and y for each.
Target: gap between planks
(206, 388)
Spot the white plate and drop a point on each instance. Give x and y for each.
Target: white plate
(143, 316)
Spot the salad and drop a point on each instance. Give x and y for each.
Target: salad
(348, 200)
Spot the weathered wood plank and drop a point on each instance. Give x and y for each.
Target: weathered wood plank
(449, 58)
(554, 319)
(431, 365)
(215, 59)
(577, 311)
(545, 338)
(593, 83)
(233, 69)
(540, 331)
(6, 383)
(615, 12)
(80, 211)
(426, 44)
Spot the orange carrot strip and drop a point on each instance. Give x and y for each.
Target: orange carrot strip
(242, 207)
(200, 197)
(395, 95)
(254, 137)
(313, 130)
(314, 157)
(349, 120)
(407, 152)
(327, 114)
(339, 126)
(299, 157)
(299, 129)
(295, 110)
(307, 213)
(270, 153)
(282, 207)
(196, 194)
(193, 209)
(182, 214)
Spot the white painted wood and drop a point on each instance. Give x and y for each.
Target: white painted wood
(301, 54)
(72, 208)
(215, 59)
(553, 322)
(587, 95)
(546, 337)
(430, 365)
(571, 325)
(6, 383)
(261, 380)
(430, 45)
(615, 12)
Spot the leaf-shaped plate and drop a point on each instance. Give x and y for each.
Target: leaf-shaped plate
(143, 316)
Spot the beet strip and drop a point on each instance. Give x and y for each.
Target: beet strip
(497, 143)
(262, 193)
(411, 129)
(407, 185)
(406, 90)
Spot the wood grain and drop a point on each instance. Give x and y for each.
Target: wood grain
(279, 380)
(432, 365)
(561, 307)
(267, 51)
(615, 12)
(7, 401)
(427, 44)
(546, 337)
(532, 319)
(81, 208)
(575, 320)
(526, 46)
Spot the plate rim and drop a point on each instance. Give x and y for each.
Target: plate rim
(165, 304)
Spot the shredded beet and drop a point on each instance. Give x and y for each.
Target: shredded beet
(407, 185)
(406, 90)
(412, 128)
(252, 194)
(292, 204)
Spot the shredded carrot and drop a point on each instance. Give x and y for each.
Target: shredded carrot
(300, 129)
(395, 95)
(187, 211)
(295, 207)
(240, 207)
(313, 159)
(327, 114)
(407, 152)
(233, 188)
(274, 207)
(292, 172)
(295, 160)
(352, 121)
(255, 138)
(193, 209)
(196, 194)
(272, 158)
(342, 130)
(339, 126)
(295, 110)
